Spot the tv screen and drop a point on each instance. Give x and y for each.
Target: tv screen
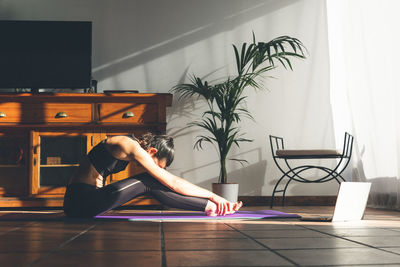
(45, 54)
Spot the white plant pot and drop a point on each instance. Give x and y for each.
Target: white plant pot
(227, 191)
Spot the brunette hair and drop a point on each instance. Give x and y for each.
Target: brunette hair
(163, 143)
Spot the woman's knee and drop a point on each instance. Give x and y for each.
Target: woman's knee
(149, 181)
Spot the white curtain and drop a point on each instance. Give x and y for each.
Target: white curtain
(364, 42)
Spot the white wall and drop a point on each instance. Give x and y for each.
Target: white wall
(153, 45)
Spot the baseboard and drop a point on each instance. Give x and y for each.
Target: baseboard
(289, 200)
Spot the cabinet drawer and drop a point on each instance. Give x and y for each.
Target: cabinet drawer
(10, 112)
(45, 113)
(128, 112)
(68, 112)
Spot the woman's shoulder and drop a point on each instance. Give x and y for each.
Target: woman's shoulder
(122, 141)
(121, 138)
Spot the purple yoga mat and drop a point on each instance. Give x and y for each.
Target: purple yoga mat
(193, 215)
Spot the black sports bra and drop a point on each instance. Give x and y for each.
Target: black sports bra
(104, 162)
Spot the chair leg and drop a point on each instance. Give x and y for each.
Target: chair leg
(284, 192)
(291, 177)
(275, 191)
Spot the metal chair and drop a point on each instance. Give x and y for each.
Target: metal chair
(294, 173)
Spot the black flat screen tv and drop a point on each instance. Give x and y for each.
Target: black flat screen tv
(45, 54)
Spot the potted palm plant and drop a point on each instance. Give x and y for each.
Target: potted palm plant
(226, 100)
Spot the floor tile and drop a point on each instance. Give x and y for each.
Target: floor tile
(361, 232)
(393, 249)
(78, 225)
(331, 226)
(127, 226)
(17, 259)
(35, 236)
(376, 241)
(340, 256)
(199, 226)
(108, 234)
(374, 265)
(283, 233)
(394, 229)
(49, 230)
(224, 258)
(28, 246)
(100, 259)
(264, 226)
(307, 243)
(211, 244)
(203, 234)
(82, 244)
(15, 223)
(6, 229)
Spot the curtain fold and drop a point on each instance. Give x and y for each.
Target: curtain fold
(365, 85)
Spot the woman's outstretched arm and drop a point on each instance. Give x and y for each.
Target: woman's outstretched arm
(132, 150)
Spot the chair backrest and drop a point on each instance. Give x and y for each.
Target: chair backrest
(276, 144)
(347, 145)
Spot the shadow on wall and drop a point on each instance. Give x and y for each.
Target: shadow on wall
(250, 177)
(157, 28)
(183, 110)
(180, 108)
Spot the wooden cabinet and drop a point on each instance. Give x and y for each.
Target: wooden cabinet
(43, 137)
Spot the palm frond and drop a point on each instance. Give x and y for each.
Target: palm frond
(196, 88)
(237, 58)
(212, 113)
(244, 112)
(201, 139)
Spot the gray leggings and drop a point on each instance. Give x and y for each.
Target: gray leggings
(84, 200)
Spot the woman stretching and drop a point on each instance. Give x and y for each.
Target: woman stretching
(87, 195)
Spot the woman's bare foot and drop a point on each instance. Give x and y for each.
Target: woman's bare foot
(211, 208)
(236, 207)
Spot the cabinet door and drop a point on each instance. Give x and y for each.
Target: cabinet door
(13, 164)
(55, 157)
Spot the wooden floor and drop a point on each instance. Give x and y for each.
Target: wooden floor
(374, 241)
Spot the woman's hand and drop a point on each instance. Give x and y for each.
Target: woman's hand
(224, 206)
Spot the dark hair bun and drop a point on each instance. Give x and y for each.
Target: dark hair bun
(163, 143)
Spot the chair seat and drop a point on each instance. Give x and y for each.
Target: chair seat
(308, 154)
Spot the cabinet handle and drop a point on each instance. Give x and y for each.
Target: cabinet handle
(2, 114)
(61, 114)
(128, 114)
